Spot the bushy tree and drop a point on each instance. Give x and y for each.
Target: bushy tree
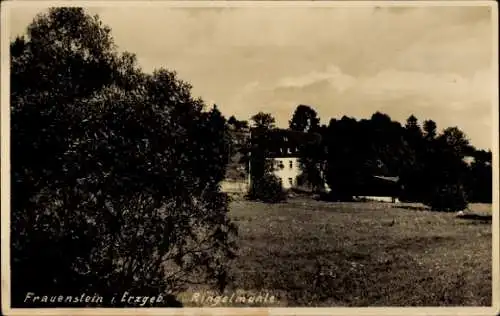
(430, 129)
(305, 119)
(238, 131)
(445, 172)
(430, 167)
(447, 198)
(344, 157)
(267, 189)
(260, 137)
(115, 174)
(455, 141)
(263, 120)
(480, 177)
(264, 185)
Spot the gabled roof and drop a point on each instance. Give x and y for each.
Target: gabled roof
(283, 142)
(392, 179)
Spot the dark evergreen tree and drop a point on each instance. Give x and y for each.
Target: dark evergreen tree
(430, 129)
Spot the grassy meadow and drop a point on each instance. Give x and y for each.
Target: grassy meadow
(313, 253)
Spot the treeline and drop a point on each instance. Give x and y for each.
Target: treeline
(431, 165)
(114, 172)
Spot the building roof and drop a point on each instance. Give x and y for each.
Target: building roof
(392, 179)
(283, 142)
(378, 186)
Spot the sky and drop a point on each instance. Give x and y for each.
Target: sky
(433, 62)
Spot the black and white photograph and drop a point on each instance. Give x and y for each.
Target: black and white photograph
(267, 155)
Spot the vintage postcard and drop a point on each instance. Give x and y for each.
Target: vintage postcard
(250, 157)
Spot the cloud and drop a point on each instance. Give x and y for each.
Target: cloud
(448, 98)
(431, 61)
(448, 88)
(333, 75)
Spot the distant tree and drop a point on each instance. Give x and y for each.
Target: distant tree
(483, 156)
(413, 132)
(446, 173)
(430, 167)
(304, 119)
(412, 177)
(263, 120)
(430, 129)
(312, 162)
(232, 120)
(447, 198)
(480, 177)
(264, 185)
(259, 165)
(455, 140)
(411, 122)
(345, 159)
(381, 119)
(387, 150)
(267, 189)
(115, 172)
(238, 133)
(238, 125)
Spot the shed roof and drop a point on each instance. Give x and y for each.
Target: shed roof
(392, 179)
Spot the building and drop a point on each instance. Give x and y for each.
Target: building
(287, 169)
(282, 148)
(379, 188)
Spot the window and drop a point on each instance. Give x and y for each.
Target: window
(290, 164)
(289, 150)
(290, 180)
(280, 164)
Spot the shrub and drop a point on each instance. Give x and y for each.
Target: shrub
(267, 189)
(447, 198)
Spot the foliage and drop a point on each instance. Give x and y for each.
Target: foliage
(304, 119)
(479, 178)
(259, 164)
(372, 147)
(263, 120)
(430, 129)
(267, 189)
(237, 124)
(115, 173)
(265, 186)
(447, 198)
(423, 160)
(239, 133)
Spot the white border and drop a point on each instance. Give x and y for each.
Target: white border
(5, 168)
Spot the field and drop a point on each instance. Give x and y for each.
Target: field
(312, 253)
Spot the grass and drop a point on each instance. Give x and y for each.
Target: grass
(312, 253)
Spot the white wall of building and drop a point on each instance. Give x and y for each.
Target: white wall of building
(387, 199)
(287, 169)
